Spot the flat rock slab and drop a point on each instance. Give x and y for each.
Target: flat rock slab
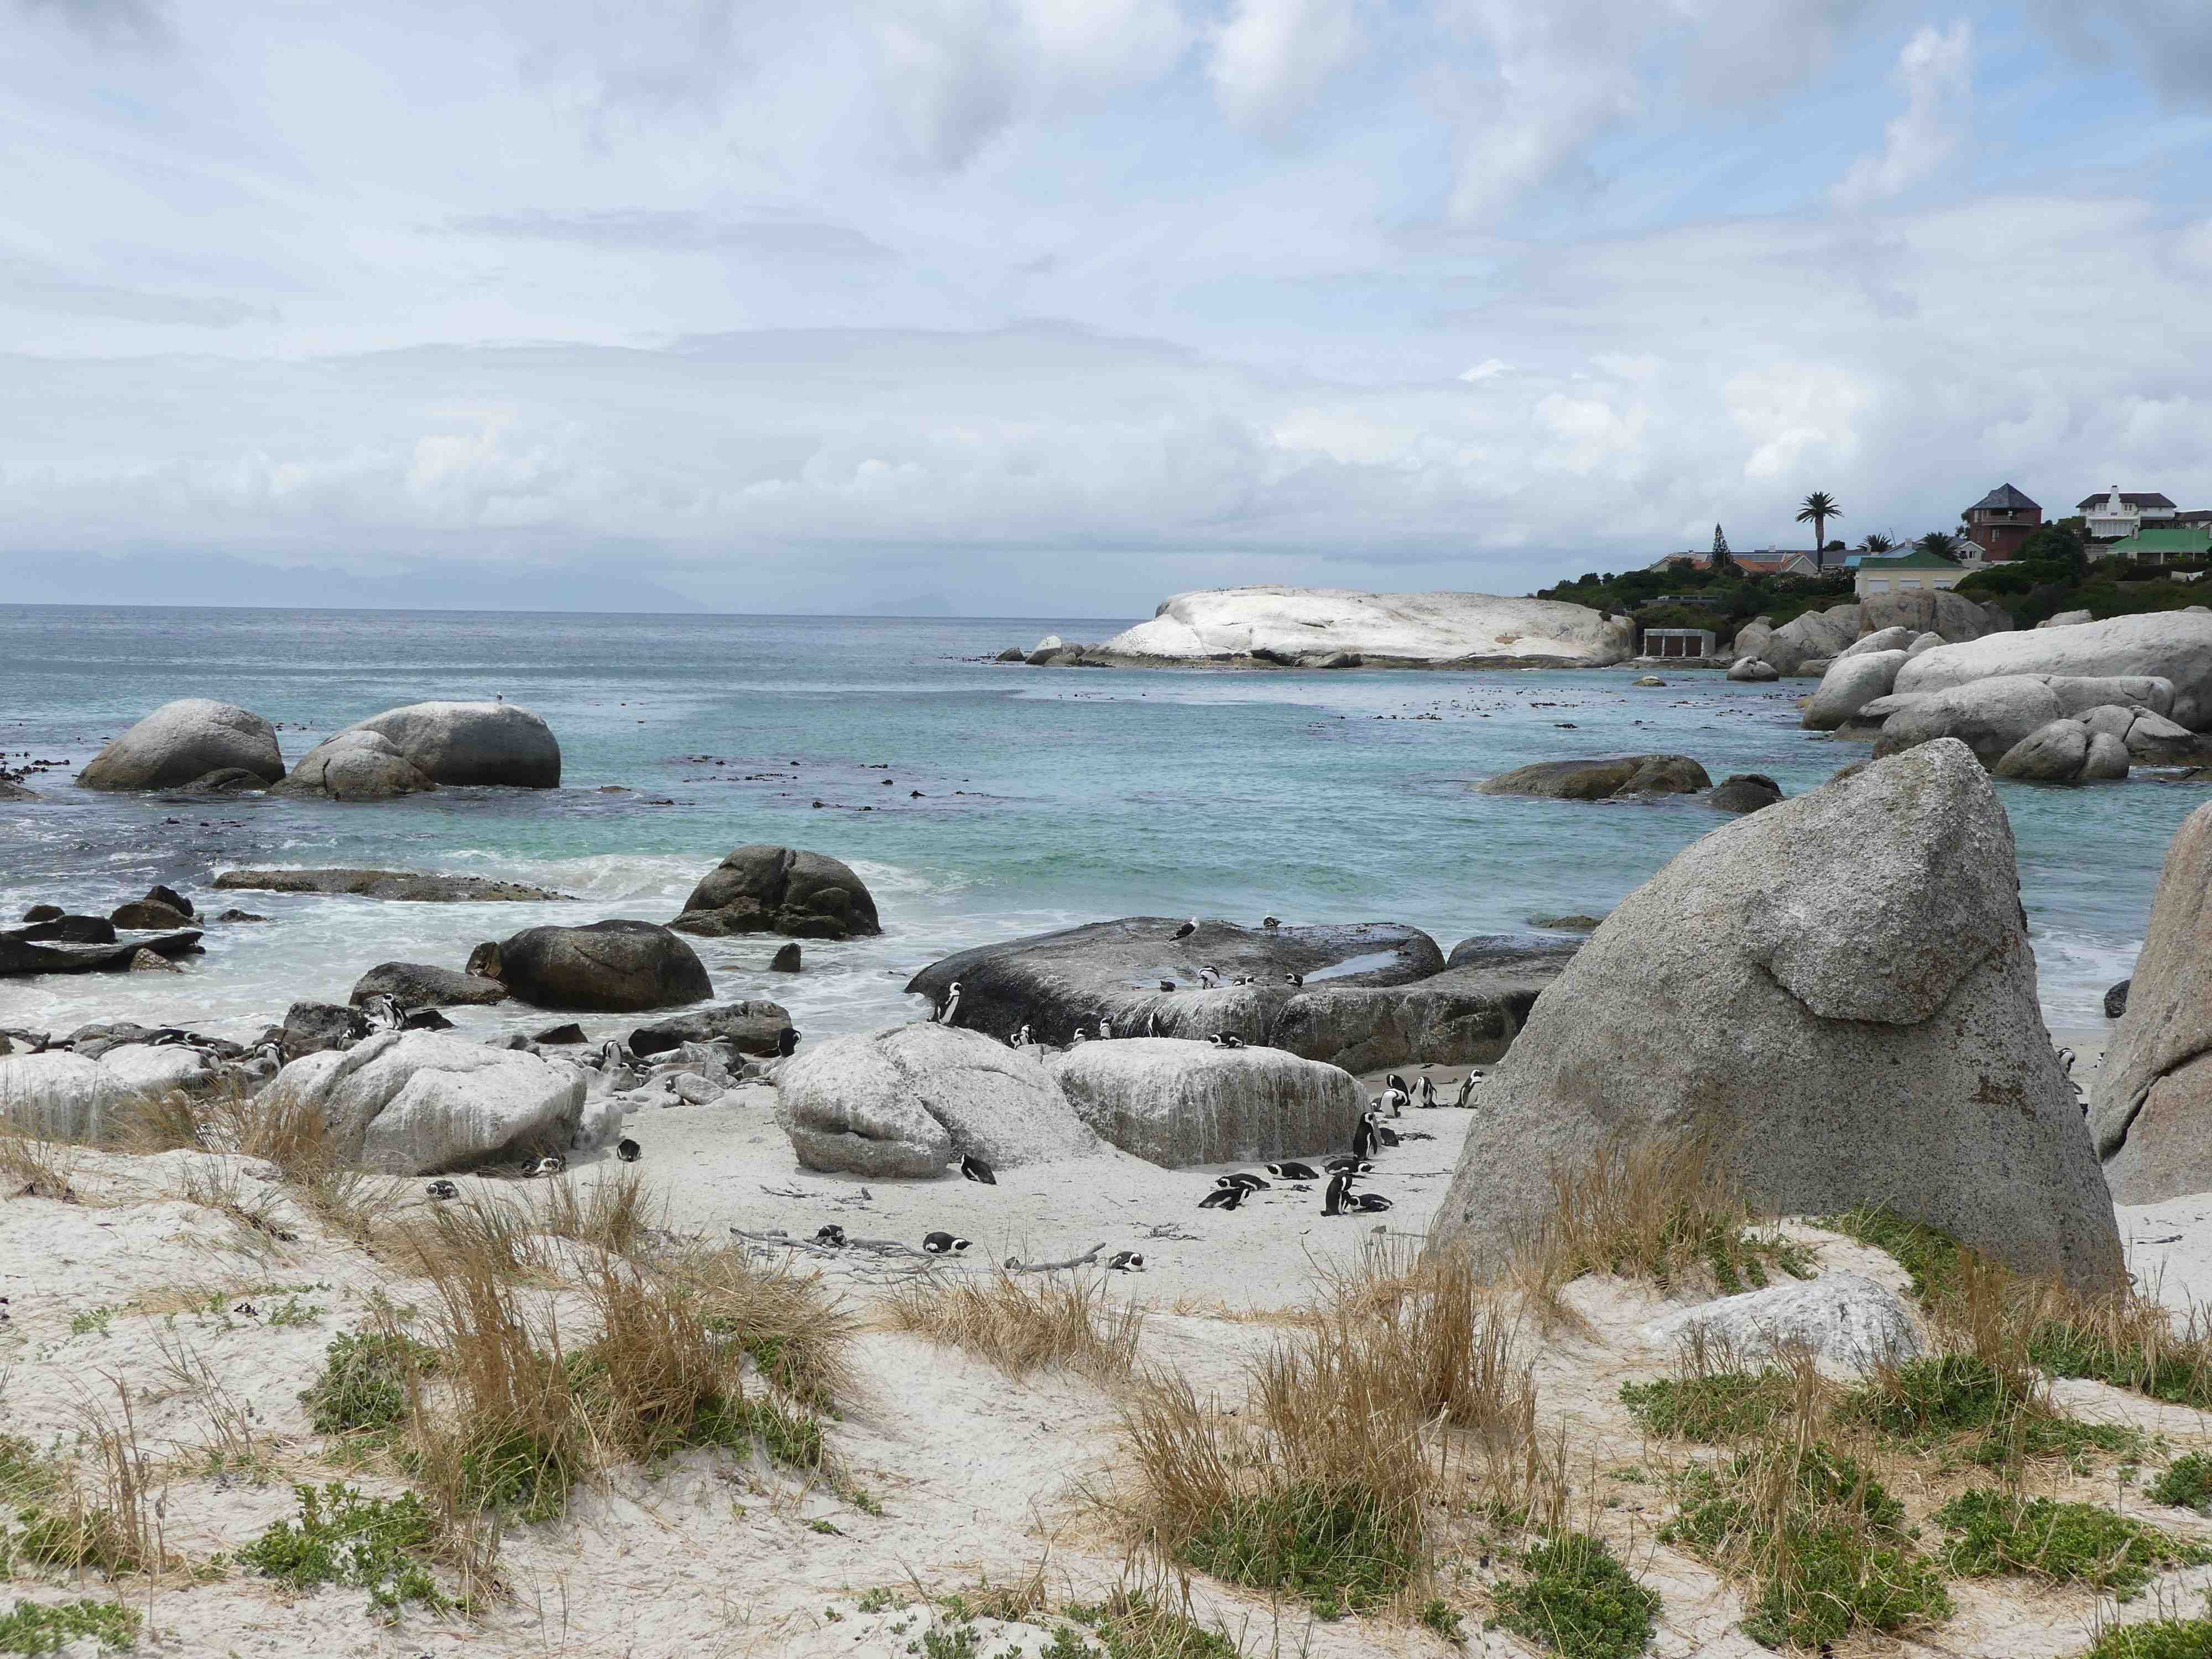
(1618, 777)
(1848, 1323)
(21, 956)
(1375, 993)
(1275, 626)
(758, 1027)
(1181, 1103)
(405, 886)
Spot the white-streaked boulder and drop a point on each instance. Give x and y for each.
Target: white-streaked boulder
(1177, 1103)
(1219, 623)
(417, 1103)
(2175, 645)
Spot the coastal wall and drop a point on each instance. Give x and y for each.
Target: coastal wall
(1301, 626)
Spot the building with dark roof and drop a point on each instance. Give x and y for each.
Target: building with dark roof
(2002, 520)
(2120, 513)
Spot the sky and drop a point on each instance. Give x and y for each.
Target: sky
(1057, 307)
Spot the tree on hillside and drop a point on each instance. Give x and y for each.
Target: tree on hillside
(1819, 506)
(1877, 543)
(1721, 557)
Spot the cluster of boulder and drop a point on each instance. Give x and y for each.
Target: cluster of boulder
(1634, 777)
(201, 746)
(143, 933)
(1809, 644)
(2076, 703)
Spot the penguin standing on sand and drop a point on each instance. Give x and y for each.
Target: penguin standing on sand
(1428, 1093)
(629, 1150)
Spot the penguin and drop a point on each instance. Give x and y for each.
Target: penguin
(1105, 1030)
(384, 1012)
(1397, 1081)
(1395, 1101)
(1332, 1200)
(1363, 1136)
(1345, 1161)
(1241, 979)
(442, 1190)
(1021, 1039)
(948, 1009)
(1208, 978)
(1384, 1134)
(1466, 1088)
(1271, 923)
(973, 1167)
(944, 1243)
(1294, 979)
(1224, 1198)
(1428, 1093)
(787, 1044)
(1127, 1261)
(629, 1150)
(552, 1164)
(1366, 1203)
(1167, 985)
(1250, 1183)
(1293, 1172)
(831, 1234)
(1186, 929)
(1078, 1035)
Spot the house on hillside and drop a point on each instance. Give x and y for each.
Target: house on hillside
(1756, 562)
(2120, 513)
(1914, 572)
(2000, 521)
(2166, 545)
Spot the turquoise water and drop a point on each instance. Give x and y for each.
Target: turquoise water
(1049, 796)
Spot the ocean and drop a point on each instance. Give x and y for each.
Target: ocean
(979, 801)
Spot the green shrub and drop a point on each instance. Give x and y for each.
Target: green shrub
(2071, 1543)
(2187, 1484)
(789, 1438)
(342, 1538)
(517, 1473)
(1579, 1601)
(2157, 1638)
(1134, 1627)
(1930, 1257)
(364, 1384)
(1726, 1406)
(1337, 1552)
(1926, 1402)
(30, 1627)
(92, 1538)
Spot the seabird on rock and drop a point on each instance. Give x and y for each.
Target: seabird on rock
(629, 1150)
(1294, 979)
(1127, 1261)
(942, 1244)
(1293, 1172)
(442, 1190)
(950, 1008)
(1224, 1198)
(973, 1167)
(1022, 1039)
(1105, 1030)
(787, 1043)
(1186, 929)
(1225, 1040)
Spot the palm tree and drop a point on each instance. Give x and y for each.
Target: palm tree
(1937, 542)
(1877, 543)
(1819, 508)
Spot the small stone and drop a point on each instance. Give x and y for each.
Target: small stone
(784, 961)
(146, 962)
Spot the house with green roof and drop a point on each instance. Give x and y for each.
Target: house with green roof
(1916, 572)
(2163, 544)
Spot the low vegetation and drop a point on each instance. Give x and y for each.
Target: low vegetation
(362, 1387)
(1021, 1324)
(2156, 1638)
(2186, 1484)
(1997, 1532)
(1576, 1600)
(382, 1546)
(1688, 596)
(33, 1627)
(1998, 1415)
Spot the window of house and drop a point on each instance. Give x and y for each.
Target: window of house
(1908, 584)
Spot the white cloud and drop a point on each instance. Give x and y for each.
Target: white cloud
(1271, 58)
(1935, 72)
(1488, 369)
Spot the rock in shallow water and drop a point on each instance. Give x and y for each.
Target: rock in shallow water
(1619, 777)
(402, 886)
(356, 766)
(614, 967)
(419, 985)
(780, 889)
(184, 740)
(1839, 991)
(472, 743)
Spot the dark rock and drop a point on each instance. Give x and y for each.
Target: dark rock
(1518, 950)
(560, 1037)
(1745, 792)
(1601, 780)
(71, 930)
(784, 961)
(21, 956)
(757, 1028)
(420, 986)
(356, 766)
(144, 915)
(1574, 922)
(45, 913)
(780, 889)
(240, 915)
(426, 1019)
(311, 1027)
(612, 966)
(158, 894)
(143, 961)
(12, 791)
(2115, 999)
(1012, 654)
(227, 780)
(404, 886)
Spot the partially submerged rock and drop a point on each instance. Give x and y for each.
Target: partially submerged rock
(1838, 992)
(780, 889)
(1850, 684)
(1179, 1103)
(1621, 777)
(1302, 625)
(613, 967)
(906, 1102)
(419, 985)
(421, 1104)
(2150, 1110)
(20, 954)
(1755, 669)
(472, 743)
(758, 1027)
(1745, 792)
(182, 741)
(356, 765)
(403, 886)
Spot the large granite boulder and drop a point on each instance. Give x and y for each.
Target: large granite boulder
(612, 967)
(1755, 670)
(906, 1102)
(400, 886)
(419, 985)
(472, 743)
(1848, 1323)
(57, 1096)
(760, 1028)
(1618, 778)
(1989, 716)
(355, 765)
(780, 889)
(2150, 1109)
(182, 741)
(1931, 611)
(1851, 682)
(2050, 754)
(2175, 645)
(1838, 993)
(1883, 638)
(1180, 1104)
(415, 1102)
(314, 1028)
(1290, 624)
(1816, 634)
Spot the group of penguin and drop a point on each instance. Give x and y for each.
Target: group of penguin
(1337, 1198)
(544, 1168)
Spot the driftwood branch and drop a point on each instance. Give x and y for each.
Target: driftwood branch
(868, 1246)
(1016, 1265)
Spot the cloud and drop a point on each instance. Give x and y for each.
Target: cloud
(1488, 369)
(134, 22)
(1935, 72)
(1271, 59)
(31, 286)
(2171, 40)
(679, 232)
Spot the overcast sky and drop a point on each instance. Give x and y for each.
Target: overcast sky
(1058, 306)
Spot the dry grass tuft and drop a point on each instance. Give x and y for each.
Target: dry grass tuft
(106, 1518)
(616, 1214)
(1664, 1209)
(171, 1121)
(32, 1167)
(1025, 1324)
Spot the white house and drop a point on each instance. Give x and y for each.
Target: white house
(2124, 512)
